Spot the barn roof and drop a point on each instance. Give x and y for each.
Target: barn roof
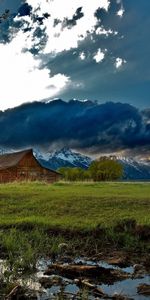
(12, 159)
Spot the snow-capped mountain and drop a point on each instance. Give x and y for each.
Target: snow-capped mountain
(135, 169)
(63, 158)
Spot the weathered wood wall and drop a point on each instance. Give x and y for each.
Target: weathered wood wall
(28, 169)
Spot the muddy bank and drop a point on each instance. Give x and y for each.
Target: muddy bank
(83, 278)
(89, 264)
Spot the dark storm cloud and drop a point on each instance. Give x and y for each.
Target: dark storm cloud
(130, 83)
(7, 21)
(5, 15)
(109, 19)
(6, 34)
(40, 20)
(147, 113)
(9, 4)
(72, 22)
(82, 125)
(25, 10)
(101, 81)
(9, 26)
(56, 22)
(41, 39)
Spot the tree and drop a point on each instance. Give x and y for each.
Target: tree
(74, 174)
(105, 169)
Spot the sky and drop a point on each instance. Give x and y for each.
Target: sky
(76, 49)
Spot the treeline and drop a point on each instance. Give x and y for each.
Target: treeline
(104, 169)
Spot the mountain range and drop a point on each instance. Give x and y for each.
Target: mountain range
(64, 157)
(134, 169)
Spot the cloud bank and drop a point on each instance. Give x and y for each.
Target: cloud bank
(86, 126)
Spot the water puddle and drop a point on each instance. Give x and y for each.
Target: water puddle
(127, 287)
(84, 286)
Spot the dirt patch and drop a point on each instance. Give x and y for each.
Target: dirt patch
(87, 271)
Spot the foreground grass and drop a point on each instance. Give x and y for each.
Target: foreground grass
(73, 205)
(36, 219)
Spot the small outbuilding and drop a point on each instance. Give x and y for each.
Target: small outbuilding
(22, 166)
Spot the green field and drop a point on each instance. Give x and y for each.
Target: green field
(36, 218)
(73, 205)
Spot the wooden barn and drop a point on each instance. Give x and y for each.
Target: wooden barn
(20, 166)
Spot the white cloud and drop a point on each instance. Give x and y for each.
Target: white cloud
(102, 31)
(99, 56)
(82, 56)
(120, 13)
(119, 62)
(21, 78)
(58, 39)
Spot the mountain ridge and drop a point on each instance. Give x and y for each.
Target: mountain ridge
(134, 169)
(64, 157)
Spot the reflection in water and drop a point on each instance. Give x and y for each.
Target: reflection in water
(127, 287)
(69, 287)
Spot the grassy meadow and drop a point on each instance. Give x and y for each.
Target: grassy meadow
(73, 205)
(36, 218)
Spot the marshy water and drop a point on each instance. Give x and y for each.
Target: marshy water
(57, 286)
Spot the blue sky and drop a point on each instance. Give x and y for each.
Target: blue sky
(75, 49)
(87, 50)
